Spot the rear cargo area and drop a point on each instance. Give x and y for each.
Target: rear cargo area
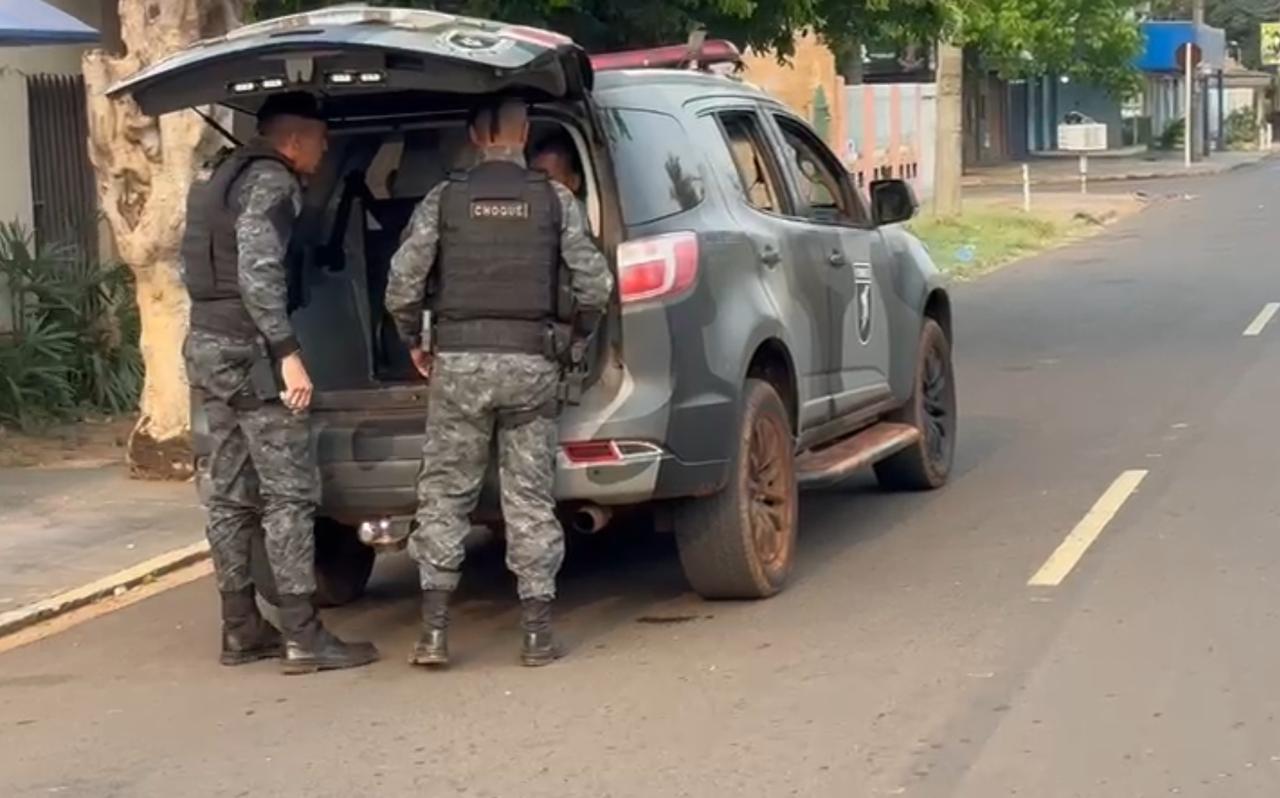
(356, 213)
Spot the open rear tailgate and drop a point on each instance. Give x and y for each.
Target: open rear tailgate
(359, 51)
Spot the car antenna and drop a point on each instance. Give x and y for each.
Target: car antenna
(213, 123)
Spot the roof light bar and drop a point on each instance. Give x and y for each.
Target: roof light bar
(676, 56)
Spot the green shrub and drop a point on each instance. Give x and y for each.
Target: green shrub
(74, 344)
(1172, 137)
(1241, 128)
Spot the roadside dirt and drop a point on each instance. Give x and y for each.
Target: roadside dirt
(1090, 210)
(90, 443)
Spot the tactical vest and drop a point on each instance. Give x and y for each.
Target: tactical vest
(498, 267)
(210, 256)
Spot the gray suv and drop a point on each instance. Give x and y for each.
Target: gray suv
(770, 330)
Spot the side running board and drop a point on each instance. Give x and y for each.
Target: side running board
(828, 466)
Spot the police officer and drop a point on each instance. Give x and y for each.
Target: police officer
(245, 363)
(495, 236)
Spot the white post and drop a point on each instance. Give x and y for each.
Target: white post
(1260, 120)
(1084, 173)
(1026, 188)
(1186, 117)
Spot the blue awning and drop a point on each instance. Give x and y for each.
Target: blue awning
(28, 22)
(1163, 40)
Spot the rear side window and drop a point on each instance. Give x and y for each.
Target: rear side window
(757, 179)
(657, 175)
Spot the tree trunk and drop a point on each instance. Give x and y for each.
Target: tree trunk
(849, 62)
(949, 163)
(144, 168)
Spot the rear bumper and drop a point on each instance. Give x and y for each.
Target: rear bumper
(360, 491)
(369, 448)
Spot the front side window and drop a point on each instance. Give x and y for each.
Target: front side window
(821, 188)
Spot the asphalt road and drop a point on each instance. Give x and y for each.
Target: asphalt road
(909, 657)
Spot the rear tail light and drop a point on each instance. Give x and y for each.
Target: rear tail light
(592, 452)
(661, 267)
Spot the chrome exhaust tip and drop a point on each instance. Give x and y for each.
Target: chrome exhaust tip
(589, 519)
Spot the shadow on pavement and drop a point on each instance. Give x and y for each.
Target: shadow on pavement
(631, 574)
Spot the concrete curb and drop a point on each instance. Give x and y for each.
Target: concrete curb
(1121, 178)
(112, 585)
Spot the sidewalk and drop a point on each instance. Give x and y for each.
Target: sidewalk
(1107, 166)
(79, 533)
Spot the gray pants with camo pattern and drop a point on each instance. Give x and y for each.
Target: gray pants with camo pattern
(472, 397)
(262, 472)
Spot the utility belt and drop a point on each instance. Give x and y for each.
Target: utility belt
(553, 339)
(518, 336)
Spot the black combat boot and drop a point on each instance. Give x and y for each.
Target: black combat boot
(540, 647)
(309, 647)
(246, 637)
(433, 647)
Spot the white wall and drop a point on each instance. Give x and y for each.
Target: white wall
(16, 63)
(870, 142)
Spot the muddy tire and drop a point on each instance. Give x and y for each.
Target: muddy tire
(343, 566)
(926, 464)
(740, 543)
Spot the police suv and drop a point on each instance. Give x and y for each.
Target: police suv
(770, 330)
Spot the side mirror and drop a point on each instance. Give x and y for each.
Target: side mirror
(892, 201)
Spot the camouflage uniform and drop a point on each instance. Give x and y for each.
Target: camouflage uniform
(470, 393)
(263, 466)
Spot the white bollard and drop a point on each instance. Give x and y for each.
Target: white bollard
(1084, 173)
(1187, 127)
(1026, 188)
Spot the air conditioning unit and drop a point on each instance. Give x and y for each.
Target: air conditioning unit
(1088, 137)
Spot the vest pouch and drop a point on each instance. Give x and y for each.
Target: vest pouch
(264, 375)
(558, 340)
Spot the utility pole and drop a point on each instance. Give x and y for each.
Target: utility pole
(1195, 131)
(949, 163)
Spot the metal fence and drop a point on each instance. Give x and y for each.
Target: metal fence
(64, 201)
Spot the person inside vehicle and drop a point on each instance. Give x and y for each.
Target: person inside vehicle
(557, 158)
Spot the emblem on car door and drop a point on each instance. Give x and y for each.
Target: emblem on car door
(863, 285)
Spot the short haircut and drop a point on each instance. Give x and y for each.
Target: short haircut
(291, 105)
(560, 145)
(499, 116)
(285, 125)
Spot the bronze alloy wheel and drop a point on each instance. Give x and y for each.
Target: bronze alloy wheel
(740, 542)
(770, 475)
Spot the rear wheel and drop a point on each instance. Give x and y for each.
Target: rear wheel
(740, 543)
(926, 464)
(343, 566)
